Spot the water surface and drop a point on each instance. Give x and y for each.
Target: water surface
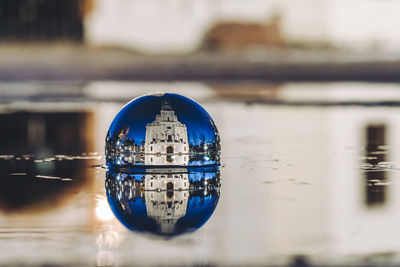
(315, 184)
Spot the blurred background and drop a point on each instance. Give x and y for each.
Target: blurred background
(305, 94)
(179, 27)
(199, 40)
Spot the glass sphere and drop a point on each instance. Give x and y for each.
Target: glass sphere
(167, 203)
(162, 130)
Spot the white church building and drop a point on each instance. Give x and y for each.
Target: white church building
(166, 139)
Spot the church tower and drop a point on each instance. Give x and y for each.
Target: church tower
(166, 139)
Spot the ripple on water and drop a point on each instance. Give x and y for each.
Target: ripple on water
(380, 166)
(32, 167)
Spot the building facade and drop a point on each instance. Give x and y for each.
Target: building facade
(47, 20)
(178, 26)
(166, 139)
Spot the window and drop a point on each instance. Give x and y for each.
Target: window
(170, 186)
(170, 149)
(151, 148)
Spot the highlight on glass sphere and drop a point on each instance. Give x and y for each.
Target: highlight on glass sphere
(162, 130)
(164, 202)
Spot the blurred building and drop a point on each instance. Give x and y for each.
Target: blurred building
(43, 19)
(358, 24)
(238, 36)
(178, 26)
(181, 26)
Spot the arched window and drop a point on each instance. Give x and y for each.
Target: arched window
(170, 149)
(170, 186)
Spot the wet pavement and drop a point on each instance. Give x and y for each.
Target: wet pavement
(299, 185)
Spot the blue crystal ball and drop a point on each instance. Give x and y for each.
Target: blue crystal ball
(162, 131)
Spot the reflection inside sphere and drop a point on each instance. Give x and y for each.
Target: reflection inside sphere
(163, 201)
(166, 130)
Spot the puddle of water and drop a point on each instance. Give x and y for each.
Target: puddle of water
(299, 185)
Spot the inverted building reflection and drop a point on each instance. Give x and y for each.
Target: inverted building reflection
(163, 201)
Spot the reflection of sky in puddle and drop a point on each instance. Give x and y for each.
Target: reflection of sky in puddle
(299, 184)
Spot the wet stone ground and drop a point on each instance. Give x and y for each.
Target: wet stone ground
(317, 185)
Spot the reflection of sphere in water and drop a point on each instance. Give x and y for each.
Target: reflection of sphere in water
(161, 203)
(165, 130)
